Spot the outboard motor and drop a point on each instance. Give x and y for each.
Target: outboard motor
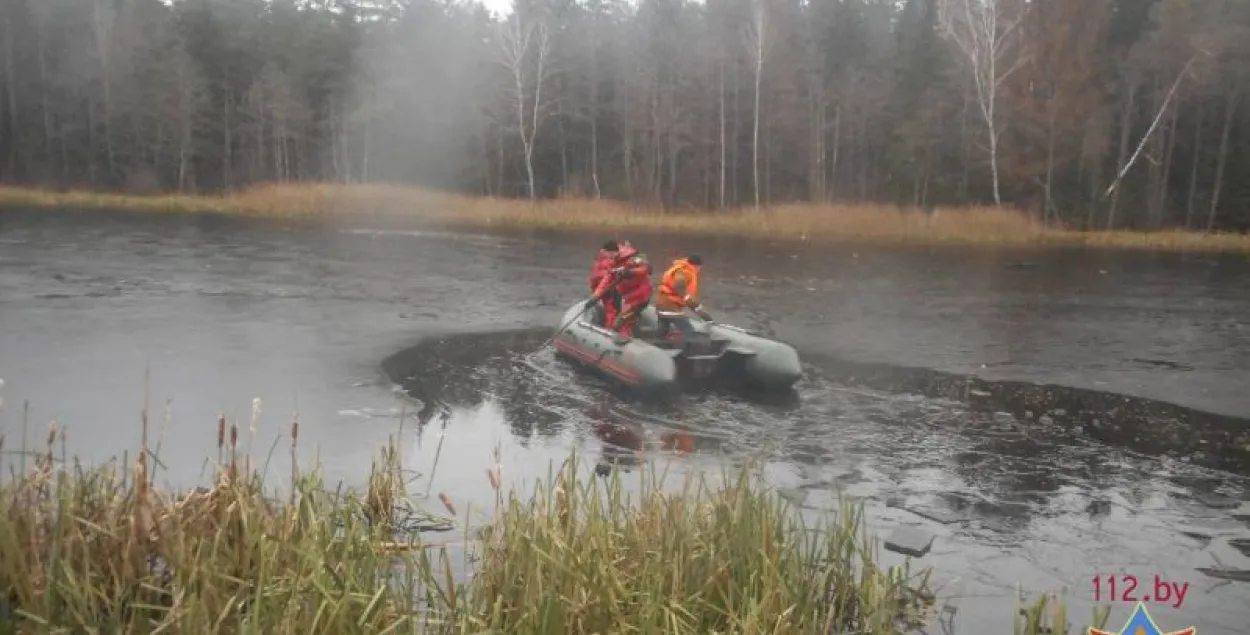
(697, 343)
(679, 329)
(700, 352)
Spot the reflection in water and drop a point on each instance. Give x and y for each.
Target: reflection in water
(464, 371)
(1018, 482)
(218, 309)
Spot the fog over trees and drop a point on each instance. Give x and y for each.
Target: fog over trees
(1099, 113)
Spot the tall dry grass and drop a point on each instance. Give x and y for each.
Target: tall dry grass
(102, 550)
(811, 222)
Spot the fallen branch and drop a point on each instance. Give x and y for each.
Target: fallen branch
(1154, 124)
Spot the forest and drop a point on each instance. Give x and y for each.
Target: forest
(1095, 114)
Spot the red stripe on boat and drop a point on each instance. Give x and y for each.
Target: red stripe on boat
(623, 373)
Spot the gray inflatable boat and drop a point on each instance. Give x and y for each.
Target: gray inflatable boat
(652, 363)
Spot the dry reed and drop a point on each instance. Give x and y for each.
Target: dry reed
(100, 550)
(868, 223)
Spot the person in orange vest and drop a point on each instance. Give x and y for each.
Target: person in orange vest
(679, 290)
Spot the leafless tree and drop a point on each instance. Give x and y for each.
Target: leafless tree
(524, 46)
(757, 36)
(987, 33)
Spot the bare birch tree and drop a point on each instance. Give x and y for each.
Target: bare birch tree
(987, 33)
(757, 36)
(524, 42)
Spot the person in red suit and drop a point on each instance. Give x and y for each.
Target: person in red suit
(604, 261)
(630, 278)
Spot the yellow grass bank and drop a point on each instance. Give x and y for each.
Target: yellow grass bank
(103, 550)
(867, 223)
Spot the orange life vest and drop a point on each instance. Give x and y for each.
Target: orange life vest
(668, 283)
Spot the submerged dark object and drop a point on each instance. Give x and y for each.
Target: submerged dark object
(910, 542)
(1235, 575)
(654, 364)
(1241, 544)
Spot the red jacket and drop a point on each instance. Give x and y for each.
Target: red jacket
(634, 279)
(603, 263)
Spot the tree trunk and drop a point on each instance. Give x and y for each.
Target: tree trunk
(1047, 201)
(993, 134)
(832, 184)
(1230, 109)
(564, 158)
(102, 41)
(965, 155)
(721, 100)
(674, 151)
(344, 140)
(364, 154)
(627, 136)
(276, 134)
(654, 161)
(816, 159)
(227, 172)
(11, 92)
(755, 134)
(526, 146)
(91, 140)
(737, 136)
(499, 165)
(186, 112)
(1164, 192)
(1193, 169)
(44, 107)
(865, 152)
(711, 164)
(768, 161)
(594, 121)
(1125, 124)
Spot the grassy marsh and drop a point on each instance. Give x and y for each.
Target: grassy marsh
(866, 223)
(102, 550)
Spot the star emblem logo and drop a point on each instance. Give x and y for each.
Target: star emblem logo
(1140, 623)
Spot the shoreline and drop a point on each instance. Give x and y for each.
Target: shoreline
(812, 224)
(143, 556)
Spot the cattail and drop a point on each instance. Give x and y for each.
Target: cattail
(233, 472)
(294, 460)
(446, 500)
(562, 503)
(51, 444)
(221, 431)
(142, 519)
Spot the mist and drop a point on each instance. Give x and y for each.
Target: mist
(1105, 114)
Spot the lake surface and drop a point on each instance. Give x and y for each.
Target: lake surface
(1050, 415)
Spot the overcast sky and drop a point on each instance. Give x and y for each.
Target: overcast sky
(498, 7)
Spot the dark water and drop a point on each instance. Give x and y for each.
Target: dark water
(1049, 415)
